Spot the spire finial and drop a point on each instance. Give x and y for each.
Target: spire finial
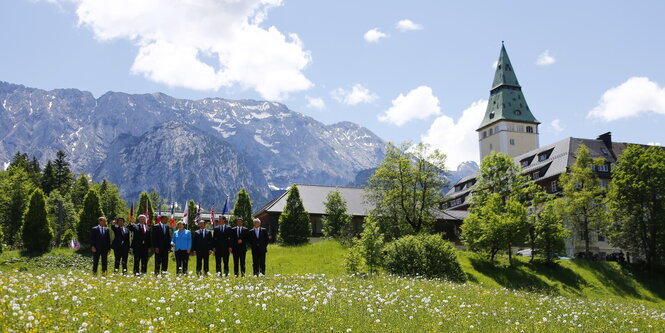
(501, 43)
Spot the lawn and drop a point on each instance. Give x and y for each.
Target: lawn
(306, 291)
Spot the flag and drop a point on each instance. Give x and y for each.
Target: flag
(226, 203)
(212, 215)
(198, 214)
(185, 217)
(159, 213)
(172, 214)
(131, 213)
(147, 215)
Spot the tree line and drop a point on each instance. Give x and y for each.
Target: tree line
(506, 209)
(41, 207)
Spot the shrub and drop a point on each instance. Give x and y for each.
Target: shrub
(423, 255)
(67, 237)
(353, 261)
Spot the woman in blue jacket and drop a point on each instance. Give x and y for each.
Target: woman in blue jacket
(182, 246)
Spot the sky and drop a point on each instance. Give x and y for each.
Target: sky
(407, 70)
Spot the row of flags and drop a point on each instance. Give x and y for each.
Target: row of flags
(185, 215)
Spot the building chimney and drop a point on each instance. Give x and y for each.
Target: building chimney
(606, 138)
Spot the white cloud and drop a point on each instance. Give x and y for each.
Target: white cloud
(495, 63)
(315, 103)
(654, 144)
(557, 126)
(545, 59)
(418, 103)
(356, 95)
(458, 140)
(173, 36)
(408, 25)
(374, 35)
(636, 95)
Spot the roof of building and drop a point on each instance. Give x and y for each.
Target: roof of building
(552, 160)
(314, 197)
(449, 214)
(506, 100)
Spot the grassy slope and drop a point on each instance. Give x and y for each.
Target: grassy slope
(576, 278)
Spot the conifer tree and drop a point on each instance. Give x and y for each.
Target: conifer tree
(49, 181)
(191, 214)
(110, 200)
(79, 190)
(370, 245)
(15, 189)
(63, 175)
(145, 201)
(243, 208)
(88, 217)
(37, 233)
(336, 221)
(294, 223)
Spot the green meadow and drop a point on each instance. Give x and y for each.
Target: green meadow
(307, 290)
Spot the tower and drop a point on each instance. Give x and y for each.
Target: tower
(508, 125)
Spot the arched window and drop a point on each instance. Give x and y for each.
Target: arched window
(529, 129)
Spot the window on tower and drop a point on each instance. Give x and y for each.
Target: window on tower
(529, 129)
(512, 142)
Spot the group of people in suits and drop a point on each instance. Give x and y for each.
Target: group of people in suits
(223, 240)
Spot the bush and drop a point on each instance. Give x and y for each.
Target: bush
(423, 255)
(353, 261)
(67, 237)
(37, 233)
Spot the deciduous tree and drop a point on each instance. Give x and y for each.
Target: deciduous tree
(406, 189)
(637, 203)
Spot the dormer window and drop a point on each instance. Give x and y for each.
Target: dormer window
(525, 162)
(518, 112)
(492, 115)
(604, 151)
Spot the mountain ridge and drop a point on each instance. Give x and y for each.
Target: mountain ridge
(285, 146)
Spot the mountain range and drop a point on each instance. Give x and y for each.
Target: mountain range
(185, 149)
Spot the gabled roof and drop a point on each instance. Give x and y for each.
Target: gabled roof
(506, 100)
(557, 158)
(314, 197)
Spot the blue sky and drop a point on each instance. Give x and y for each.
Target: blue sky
(601, 65)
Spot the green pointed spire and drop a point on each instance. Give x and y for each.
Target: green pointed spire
(504, 75)
(506, 100)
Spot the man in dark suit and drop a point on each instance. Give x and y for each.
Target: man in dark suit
(258, 238)
(239, 246)
(140, 244)
(222, 246)
(202, 246)
(120, 244)
(100, 243)
(161, 244)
